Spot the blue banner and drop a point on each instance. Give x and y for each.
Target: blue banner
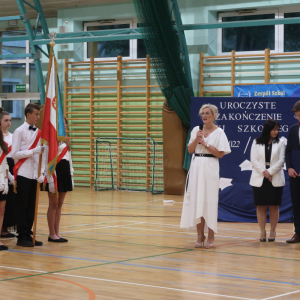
(267, 90)
(242, 122)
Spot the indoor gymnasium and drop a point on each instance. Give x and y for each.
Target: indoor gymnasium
(149, 149)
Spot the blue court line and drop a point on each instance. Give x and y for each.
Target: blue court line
(124, 208)
(162, 268)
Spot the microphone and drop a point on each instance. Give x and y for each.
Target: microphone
(201, 128)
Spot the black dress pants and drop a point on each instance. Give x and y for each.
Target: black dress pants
(295, 195)
(26, 194)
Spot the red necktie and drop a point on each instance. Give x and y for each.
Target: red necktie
(299, 123)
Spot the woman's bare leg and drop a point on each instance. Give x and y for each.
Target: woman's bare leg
(274, 217)
(261, 212)
(2, 210)
(61, 198)
(51, 215)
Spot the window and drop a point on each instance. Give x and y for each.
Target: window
(291, 34)
(248, 39)
(110, 50)
(244, 40)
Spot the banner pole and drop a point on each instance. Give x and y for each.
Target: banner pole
(40, 157)
(37, 200)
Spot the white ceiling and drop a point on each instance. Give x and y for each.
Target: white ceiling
(50, 7)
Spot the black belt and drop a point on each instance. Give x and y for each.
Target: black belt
(204, 155)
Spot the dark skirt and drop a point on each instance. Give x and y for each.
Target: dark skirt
(3, 197)
(10, 216)
(267, 194)
(64, 178)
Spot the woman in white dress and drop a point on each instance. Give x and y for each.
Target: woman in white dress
(200, 205)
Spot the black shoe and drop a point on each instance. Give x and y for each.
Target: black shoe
(8, 235)
(37, 243)
(2, 247)
(55, 240)
(263, 240)
(64, 240)
(25, 243)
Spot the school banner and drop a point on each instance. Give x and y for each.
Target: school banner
(267, 90)
(242, 122)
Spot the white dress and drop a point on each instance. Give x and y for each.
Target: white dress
(202, 185)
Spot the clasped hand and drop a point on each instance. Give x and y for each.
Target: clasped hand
(200, 138)
(267, 175)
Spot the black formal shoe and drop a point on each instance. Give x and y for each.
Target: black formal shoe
(64, 240)
(2, 247)
(55, 240)
(294, 239)
(25, 243)
(37, 243)
(8, 235)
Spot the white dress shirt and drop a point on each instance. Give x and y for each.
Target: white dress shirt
(3, 168)
(8, 140)
(67, 156)
(29, 168)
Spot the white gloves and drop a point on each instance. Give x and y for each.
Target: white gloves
(72, 183)
(41, 179)
(52, 187)
(39, 150)
(11, 178)
(5, 191)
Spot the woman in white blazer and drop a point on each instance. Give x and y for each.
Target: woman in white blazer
(267, 178)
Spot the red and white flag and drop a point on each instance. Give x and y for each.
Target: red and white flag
(49, 129)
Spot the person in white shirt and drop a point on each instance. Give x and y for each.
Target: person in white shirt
(26, 151)
(65, 183)
(10, 219)
(3, 182)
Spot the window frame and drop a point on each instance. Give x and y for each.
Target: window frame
(278, 31)
(132, 43)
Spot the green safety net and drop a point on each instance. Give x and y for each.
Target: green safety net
(163, 47)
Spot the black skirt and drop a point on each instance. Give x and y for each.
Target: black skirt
(3, 197)
(64, 178)
(267, 194)
(10, 215)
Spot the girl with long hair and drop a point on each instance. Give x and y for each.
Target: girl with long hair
(65, 183)
(10, 219)
(3, 180)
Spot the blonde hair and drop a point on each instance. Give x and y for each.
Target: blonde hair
(212, 107)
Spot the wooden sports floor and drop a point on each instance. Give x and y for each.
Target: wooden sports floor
(128, 245)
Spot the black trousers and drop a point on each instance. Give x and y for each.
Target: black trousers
(295, 195)
(26, 194)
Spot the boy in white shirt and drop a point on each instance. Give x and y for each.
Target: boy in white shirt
(26, 150)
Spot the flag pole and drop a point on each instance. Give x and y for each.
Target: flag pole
(52, 44)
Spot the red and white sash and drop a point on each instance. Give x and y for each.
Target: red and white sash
(4, 154)
(21, 161)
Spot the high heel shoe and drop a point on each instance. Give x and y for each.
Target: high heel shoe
(208, 246)
(201, 243)
(263, 240)
(272, 240)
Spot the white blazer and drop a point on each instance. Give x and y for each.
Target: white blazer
(259, 164)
